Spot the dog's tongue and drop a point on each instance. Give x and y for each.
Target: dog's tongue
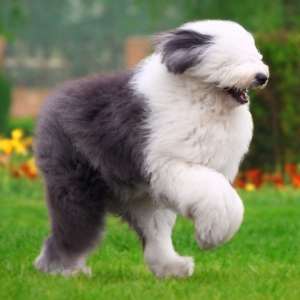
(240, 96)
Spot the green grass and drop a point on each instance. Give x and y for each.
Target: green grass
(260, 262)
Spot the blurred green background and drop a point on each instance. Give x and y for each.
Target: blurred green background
(52, 41)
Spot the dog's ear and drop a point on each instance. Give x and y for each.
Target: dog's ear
(181, 49)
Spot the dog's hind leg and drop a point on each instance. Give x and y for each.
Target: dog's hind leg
(154, 226)
(77, 219)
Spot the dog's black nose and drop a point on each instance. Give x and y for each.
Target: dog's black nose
(261, 78)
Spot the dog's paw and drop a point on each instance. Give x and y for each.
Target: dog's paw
(84, 270)
(179, 266)
(60, 265)
(219, 218)
(206, 243)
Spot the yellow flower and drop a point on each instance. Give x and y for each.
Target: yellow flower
(27, 142)
(20, 149)
(6, 146)
(17, 134)
(250, 187)
(31, 165)
(18, 146)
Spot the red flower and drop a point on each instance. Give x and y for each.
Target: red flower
(239, 183)
(296, 180)
(28, 172)
(16, 174)
(290, 169)
(257, 182)
(266, 177)
(31, 175)
(277, 178)
(278, 181)
(25, 168)
(254, 176)
(252, 173)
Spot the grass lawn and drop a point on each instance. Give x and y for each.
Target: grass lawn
(262, 261)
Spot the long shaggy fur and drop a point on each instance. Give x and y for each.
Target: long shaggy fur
(163, 139)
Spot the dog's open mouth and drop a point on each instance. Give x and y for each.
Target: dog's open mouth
(239, 96)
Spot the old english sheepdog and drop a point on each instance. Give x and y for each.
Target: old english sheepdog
(162, 139)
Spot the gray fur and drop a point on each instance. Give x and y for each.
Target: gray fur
(181, 48)
(89, 143)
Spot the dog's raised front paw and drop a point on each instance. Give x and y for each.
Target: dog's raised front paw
(219, 218)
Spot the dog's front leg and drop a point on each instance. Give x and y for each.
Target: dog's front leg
(154, 225)
(204, 195)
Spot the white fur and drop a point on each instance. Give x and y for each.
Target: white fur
(233, 59)
(157, 223)
(198, 136)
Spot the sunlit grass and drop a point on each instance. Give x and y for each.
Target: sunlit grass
(261, 262)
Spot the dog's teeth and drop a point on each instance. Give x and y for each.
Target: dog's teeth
(244, 96)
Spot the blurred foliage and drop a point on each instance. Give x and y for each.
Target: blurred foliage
(11, 18)
(276, 109)
(25, 124)
(264, 16)
(5, 100)
(81, 37)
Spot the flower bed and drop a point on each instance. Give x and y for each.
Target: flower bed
(255, 178)
(16, 156)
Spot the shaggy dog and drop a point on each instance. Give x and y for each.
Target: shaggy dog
(163, 139)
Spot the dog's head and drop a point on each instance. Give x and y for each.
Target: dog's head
(221, 53)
